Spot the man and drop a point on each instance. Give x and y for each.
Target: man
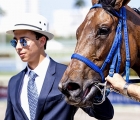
(118, 83)
(33, 93)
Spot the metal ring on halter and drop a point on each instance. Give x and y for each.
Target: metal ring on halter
(103, 92)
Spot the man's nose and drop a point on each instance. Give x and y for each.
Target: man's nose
(18, 46)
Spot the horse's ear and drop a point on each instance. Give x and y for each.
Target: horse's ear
(120, 3)
(94, 1)
(125, 2)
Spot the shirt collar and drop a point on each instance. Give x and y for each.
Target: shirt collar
(40, 69)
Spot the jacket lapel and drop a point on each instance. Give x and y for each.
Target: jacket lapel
(47, 85)
(18, 92)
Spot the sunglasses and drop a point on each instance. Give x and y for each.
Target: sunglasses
(23, 42)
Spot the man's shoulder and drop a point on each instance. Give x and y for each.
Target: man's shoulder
(18, 74)
(63, 65)
(59, 64)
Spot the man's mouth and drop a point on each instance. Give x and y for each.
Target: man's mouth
(21, 54)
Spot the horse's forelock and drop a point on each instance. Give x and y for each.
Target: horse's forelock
(108, 5)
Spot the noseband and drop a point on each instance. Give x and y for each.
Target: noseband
(114, 55)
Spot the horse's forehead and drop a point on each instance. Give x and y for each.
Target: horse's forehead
(90, 15)
(98, 16)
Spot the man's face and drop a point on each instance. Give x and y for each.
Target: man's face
(29, 53)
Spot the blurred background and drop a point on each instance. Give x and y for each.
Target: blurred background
(64, 17)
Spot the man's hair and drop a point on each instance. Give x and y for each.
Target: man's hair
(39, 35)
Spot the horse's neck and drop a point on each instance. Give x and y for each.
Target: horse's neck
(133, 18)
(134, 37)
(133, 26)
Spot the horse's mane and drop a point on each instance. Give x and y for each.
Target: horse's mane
(136, 10)
(109, 5)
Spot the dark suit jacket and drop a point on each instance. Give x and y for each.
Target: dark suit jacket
(51, 103)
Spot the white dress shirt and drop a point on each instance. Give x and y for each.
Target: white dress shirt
(40, 70)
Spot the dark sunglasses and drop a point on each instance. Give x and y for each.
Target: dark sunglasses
(23, 42)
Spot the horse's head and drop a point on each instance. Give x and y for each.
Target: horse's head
(94, 40)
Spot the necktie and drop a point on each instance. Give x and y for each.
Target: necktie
(32, 94)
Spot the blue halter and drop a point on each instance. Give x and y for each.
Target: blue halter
(114, 52)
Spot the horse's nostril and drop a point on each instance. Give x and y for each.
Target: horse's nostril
(72, 86)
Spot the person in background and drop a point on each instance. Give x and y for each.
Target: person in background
(33, 93)
(117, 82)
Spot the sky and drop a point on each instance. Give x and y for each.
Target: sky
(51, 5)
(46, 7)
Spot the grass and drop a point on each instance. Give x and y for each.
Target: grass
(8, 73)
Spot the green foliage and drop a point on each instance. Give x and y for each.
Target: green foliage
(8, 38)
(2, 12)
(79, 3)
(65, 38)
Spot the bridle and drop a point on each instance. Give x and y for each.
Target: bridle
(114, 57)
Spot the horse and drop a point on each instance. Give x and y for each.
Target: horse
(97, 53)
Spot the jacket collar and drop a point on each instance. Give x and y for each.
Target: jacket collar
(19, 83)
(47, 85)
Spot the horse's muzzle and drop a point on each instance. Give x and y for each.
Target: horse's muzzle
(69, 89)
(78, 95)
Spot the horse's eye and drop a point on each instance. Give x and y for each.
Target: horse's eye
(103, 31)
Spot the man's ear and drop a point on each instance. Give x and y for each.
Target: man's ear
(42, 41)
(120, 3)
(94, 2)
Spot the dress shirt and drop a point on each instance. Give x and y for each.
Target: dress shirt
(40, 70)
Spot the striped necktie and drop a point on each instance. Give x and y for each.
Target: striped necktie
(32, 94)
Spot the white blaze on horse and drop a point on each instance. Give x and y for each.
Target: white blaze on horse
(108, 41)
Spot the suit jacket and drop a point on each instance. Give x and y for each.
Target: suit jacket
(51, 103)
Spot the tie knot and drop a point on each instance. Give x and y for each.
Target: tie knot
(32, 75)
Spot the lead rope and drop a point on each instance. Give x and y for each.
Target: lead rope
(117, 56)
(123, 15)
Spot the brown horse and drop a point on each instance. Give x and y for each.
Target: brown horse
(95, 37)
